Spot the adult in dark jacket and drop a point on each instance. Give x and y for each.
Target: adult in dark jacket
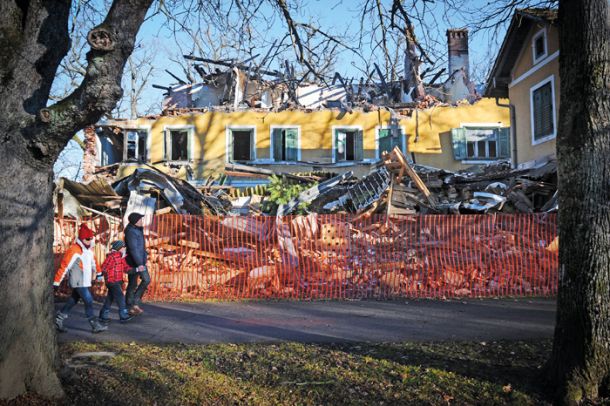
(136, 258)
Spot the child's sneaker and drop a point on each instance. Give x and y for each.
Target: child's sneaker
(104, 320)
(126, 319)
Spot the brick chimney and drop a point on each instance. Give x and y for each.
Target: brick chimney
(89, 154)
(457, 42)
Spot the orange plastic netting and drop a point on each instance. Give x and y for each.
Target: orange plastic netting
(340, 256)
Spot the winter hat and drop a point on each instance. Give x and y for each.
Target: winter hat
(117, 245)
(84, 232)
(134, 217)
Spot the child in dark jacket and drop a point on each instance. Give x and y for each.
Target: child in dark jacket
(113, 268)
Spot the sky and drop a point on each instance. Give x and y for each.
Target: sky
(160, 49)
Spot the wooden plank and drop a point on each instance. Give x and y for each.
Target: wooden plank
(164, 210)
(396, 152)
(190, 244)
(155, 242)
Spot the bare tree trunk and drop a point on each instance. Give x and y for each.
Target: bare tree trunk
(580, 364)
(28, 353)
(34, 38)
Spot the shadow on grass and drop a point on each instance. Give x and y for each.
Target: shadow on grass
(518, 363)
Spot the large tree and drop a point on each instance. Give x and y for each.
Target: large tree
(580, 364)
(34, 38)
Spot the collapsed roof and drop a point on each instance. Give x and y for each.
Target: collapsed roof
(247, 85)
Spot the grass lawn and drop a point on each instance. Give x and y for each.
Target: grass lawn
(447, 373)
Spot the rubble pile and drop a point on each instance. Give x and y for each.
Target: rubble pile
(353, 243)
(395, 186)
(338, 256)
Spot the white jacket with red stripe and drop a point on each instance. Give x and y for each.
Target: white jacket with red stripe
(79, 262)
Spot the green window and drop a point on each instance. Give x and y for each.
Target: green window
(285, 144)
(542, 100)
(388, 139)
(471, 143)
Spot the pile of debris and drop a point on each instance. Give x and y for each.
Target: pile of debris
(337, 256)
(146, 190)
(395, 186)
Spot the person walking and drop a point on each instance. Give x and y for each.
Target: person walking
(113, 268)
(80, 264)
(136, 258)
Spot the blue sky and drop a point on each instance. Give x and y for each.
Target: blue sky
(333, 16)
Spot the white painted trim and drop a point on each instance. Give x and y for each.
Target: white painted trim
(273, 127)
(191, 132)
(98, 149)
(482, 161)
(538, 85)
(487, 159)
(229, 140)
(483, 125)
(344, 127)
(541, 33)
(148, 129)
(533, 70)
(385, 127)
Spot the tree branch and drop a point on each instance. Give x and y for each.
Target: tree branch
(111, 44)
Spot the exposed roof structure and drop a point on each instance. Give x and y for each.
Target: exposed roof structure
(523, 20)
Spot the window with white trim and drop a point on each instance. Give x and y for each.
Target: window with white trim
(136, 145)
(241, 148)
(348, 145)
(539, 46)
(285, 143)
(543, 110)
(177, 144)
(481, 143)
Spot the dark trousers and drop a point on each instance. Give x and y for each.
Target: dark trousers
(77, 294)
(115, 294)
(135, 291)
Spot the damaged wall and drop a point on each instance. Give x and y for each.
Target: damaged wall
(208, 132)
(440, 121)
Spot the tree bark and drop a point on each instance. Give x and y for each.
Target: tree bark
(33, 40)
(580, 363)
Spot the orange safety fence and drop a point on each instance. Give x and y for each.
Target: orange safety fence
(341, 256)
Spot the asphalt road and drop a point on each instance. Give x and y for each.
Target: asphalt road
(325, 321)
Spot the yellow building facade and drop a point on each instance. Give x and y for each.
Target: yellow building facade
(298, 140)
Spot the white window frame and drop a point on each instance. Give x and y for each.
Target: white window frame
(191, 131)
(541, 33)
(385, 127)
(146, 128)
(537, 86)
(229, 140)
(334, 128)
(466, 126)
(279, 127)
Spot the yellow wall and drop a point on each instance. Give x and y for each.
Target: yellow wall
(525, 61)
(519, 95)
(209, 144)
(441, 120)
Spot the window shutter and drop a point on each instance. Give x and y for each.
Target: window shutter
(292, 144)
(277, 144)
(166, 145)
(189, 145)
(543, 111)
(339, 151)
(503, 137)
(458, 139)
(358, 146)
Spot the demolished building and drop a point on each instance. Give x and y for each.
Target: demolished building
(271, 119)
